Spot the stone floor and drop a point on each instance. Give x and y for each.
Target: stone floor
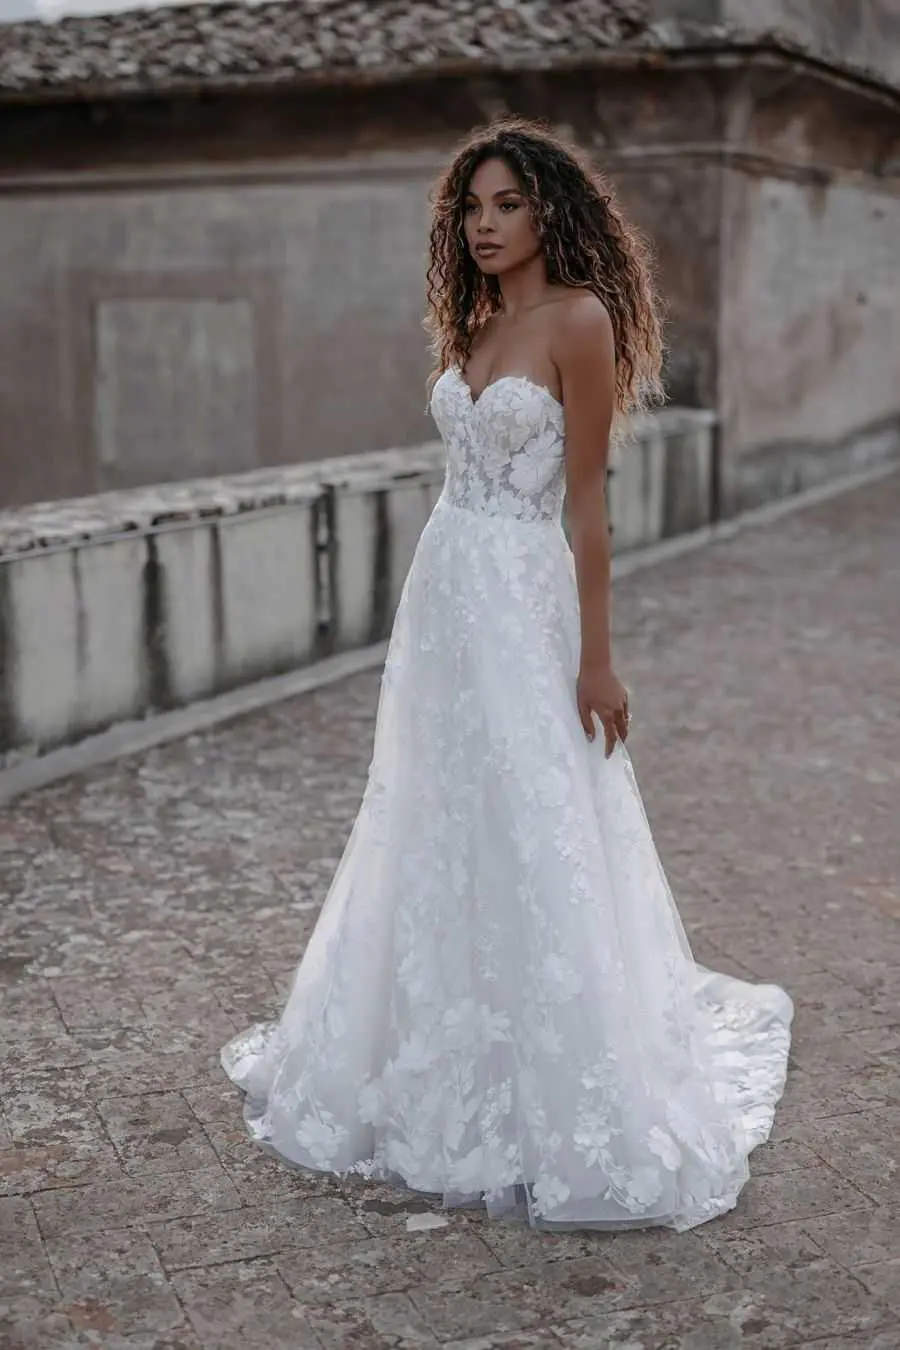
(154, 907)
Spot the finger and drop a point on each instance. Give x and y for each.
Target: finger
(609, 729)
(621, 719)
(587, 718)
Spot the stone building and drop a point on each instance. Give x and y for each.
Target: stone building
(212, 221)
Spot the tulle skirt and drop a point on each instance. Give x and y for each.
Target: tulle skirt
(498, 1004)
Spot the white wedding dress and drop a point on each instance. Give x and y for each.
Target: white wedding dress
(498, 1002)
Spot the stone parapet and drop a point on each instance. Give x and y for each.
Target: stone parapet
(116, 606)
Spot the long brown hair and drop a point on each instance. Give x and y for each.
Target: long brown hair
(587, 243)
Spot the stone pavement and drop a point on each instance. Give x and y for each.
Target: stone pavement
(156, 906)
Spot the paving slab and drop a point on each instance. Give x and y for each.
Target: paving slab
(159, 903)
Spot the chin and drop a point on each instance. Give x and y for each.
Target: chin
(492, 267)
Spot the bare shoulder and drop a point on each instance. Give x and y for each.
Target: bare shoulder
(581, 326)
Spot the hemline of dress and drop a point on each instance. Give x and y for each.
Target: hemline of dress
(521, 1213)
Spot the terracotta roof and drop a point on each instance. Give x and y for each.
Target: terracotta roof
(186, 46)
(218, 44)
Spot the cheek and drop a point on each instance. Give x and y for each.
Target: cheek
(524, 231)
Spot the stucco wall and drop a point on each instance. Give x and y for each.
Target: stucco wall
(176, 331)
(810, 298)
(858, 33)
(810, 287)
(192, 287)
(220, 288)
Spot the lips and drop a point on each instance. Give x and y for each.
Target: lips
(487, 250)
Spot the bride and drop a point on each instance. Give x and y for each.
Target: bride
(498, 1004)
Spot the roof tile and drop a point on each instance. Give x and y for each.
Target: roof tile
(293, 40)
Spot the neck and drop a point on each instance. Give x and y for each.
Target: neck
(523, 287)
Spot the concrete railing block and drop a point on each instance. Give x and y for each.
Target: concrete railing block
(267, 591)
(378, 510)
(75, 640)
(662, 479)
(42, 621)
(409, 505)
(112, 674)
(688, 490)
(637, 491)
(187, 638)
(357, 540)
(119, 605)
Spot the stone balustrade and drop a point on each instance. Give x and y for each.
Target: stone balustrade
(116, 606)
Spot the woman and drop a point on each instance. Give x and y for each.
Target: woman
(498, 1003)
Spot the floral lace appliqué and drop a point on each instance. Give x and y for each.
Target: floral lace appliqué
(498, 1003)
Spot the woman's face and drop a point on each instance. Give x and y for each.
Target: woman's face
(499, 230)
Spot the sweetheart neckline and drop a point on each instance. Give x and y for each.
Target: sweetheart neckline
(519, 379)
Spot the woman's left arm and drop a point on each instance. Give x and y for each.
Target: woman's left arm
(584, 354)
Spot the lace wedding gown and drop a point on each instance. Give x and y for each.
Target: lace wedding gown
(498, 1002)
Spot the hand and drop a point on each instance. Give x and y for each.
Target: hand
(599, 691)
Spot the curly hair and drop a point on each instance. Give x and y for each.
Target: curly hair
(587, 243)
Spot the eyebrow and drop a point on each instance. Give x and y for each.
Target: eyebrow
(504, 192)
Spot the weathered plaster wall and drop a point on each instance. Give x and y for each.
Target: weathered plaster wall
(862, 34)
(230, 285)
(810, 298)
(197, 286)
(171, 331)
(809, 289)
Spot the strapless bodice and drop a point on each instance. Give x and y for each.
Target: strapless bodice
(504, 449)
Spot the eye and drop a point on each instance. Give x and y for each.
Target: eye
(509, 206)
(470, 207)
